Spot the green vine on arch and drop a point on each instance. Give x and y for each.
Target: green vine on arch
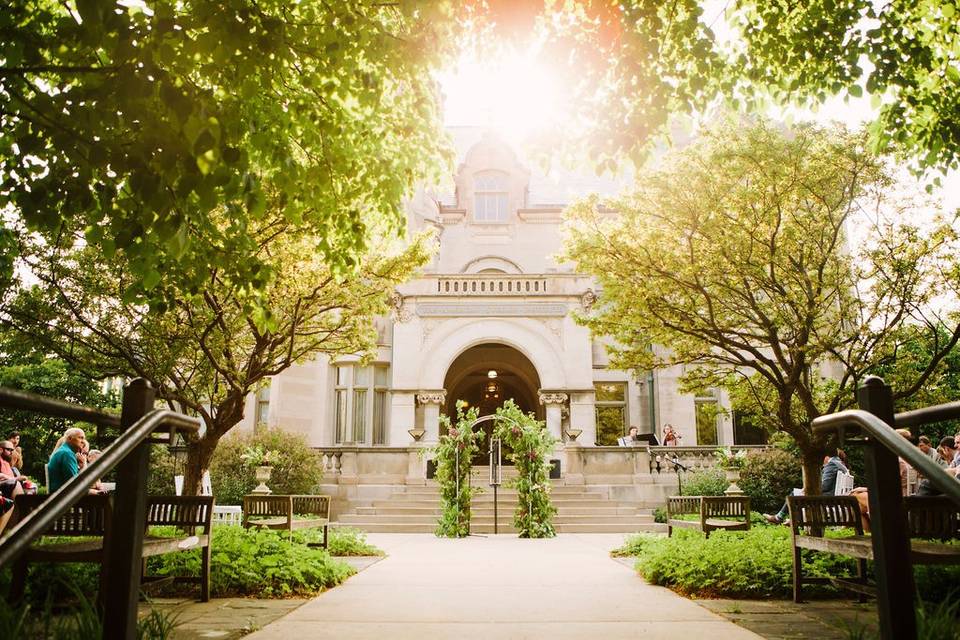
(460, 442)
(531, 446)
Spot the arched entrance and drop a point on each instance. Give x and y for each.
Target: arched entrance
(486, 376)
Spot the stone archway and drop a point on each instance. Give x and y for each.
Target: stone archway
(469, 379)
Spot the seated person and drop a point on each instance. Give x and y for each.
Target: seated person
(950, 452)
(832, 465)
(670, 437)
(17, 463)
(92, 455)
(10, 486)
(923, 442)
(64, 462)
(631, 439)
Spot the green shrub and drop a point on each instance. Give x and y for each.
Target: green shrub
(939, 621)
(634, 545)
(261, 563)
(707, 482)
(759, 563)
(344, 541)
(297, 468)
(56, 581)
(768, 476)
(163, 467)
(78, 621)
(660, 515)
(749, 564)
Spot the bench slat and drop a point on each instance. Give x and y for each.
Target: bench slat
(926, 518)
(92, 516)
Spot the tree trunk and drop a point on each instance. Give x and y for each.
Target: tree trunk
(198, 460)
(812, 467)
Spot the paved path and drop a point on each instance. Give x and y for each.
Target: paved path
(500, 587)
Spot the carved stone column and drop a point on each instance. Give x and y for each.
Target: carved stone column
(431, 401)
(554, 402)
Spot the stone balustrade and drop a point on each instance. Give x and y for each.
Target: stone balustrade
(351, 464)
(331, 461)
(693, 458)
(491, 285)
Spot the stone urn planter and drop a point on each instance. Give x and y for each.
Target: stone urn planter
(262, 475)
(733, 476)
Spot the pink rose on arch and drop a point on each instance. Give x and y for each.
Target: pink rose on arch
(531, 455)
(516, 431)
(453, 433)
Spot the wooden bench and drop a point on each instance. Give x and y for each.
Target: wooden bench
(92, 517)
(711, 510)
(279, 512)
(927, 518)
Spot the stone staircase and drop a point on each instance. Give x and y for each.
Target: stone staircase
(580, 509)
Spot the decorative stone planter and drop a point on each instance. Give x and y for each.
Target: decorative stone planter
(733, 476)
(262, 475)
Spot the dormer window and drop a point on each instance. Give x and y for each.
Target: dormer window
(490, 196)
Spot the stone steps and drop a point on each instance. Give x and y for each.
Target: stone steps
(580, 509)
(356, 519)
(505, 527)
(486, 511)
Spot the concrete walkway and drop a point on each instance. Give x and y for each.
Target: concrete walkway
(499, 587)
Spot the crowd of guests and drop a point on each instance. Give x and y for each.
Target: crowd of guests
(946, 454)
(70, 455)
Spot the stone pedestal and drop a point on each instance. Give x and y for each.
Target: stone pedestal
(417, 465)
(348, 467)
(573, 463)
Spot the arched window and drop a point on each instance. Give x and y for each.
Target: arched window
(490, 196)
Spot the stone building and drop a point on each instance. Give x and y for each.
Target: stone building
(492, 317)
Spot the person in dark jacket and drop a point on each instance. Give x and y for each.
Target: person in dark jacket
(832, 465)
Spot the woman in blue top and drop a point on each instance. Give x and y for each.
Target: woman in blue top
(63, 462)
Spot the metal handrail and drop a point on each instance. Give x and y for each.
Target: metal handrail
(936, 413)
(39, 521)
(885, 435)
(26, 401)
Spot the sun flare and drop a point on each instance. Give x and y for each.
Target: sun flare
(514, 93)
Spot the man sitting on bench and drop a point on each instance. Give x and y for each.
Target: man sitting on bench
(832, 465)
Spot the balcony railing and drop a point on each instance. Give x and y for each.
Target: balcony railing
(491, 285)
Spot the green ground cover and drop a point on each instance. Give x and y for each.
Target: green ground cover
(256, 563)
(751, 564)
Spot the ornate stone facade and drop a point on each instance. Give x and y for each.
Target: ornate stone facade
(494, 289)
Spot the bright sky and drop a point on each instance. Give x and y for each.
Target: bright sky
(521, 98)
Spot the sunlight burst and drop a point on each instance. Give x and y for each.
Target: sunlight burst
(514, 93)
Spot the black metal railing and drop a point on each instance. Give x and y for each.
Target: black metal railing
(129, 454)
(875, 420)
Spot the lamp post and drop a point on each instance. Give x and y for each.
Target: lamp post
(179, 451)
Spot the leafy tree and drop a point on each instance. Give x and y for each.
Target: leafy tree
(207, 351)
(161, 129)
(907, 354)
(736, 259)
(632, 64)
